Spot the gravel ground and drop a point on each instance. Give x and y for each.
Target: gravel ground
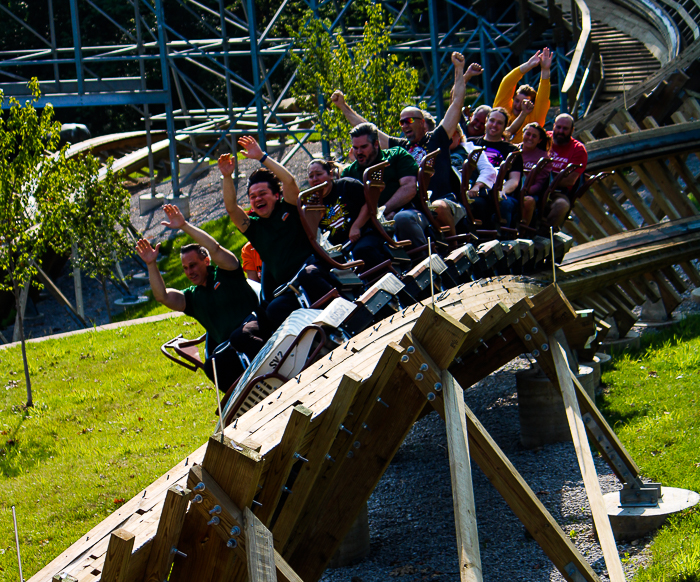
(410, 512)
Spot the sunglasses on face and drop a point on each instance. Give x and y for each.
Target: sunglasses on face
(408, 120)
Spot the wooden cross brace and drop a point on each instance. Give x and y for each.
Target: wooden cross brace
(231, 527)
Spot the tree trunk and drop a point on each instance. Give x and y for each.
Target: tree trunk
(20, 318)
(103, 280)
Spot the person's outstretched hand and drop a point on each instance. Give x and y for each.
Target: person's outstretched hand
(175, 218)
(472, 71)
(227, 165)
(147, 253)
(251, 147)
(546, 59)
(338, 99)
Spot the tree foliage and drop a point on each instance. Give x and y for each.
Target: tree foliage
(375, 83)
(99, 221)
(35, 190)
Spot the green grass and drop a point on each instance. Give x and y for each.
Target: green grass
(111, 415)
(653, 405)
(222, 229)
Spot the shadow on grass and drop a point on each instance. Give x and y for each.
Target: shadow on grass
(17, 454)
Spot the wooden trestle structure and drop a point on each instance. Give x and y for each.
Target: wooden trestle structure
(329, 434)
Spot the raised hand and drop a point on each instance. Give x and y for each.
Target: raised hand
(458, 60)
(472, 71)
(227, 165)
(546, 59)
(147, 253)
(175, 217)
(527, 106)
(533, 61)
(252, 149)
(338, 99)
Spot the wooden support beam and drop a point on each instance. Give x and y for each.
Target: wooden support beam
(585, 459)
(650, 291)
(669, 186)
(596, 210)
(621, 295)
(675, 279)
(633, 292)
(390, 422)
(669, 296)
(656, 192)
(260, 551)
(574, 230)
(520, 497)
(435, 328)
(330, 423)
(229, 516)
(116, 566)
(624, 318)
(608, 198)
(461, 475)
(581, 330)
(682, 170)
(356, 423)
(590, 224)
(633, 196)
(281, 463)
(692, 272)
(170, 525)
(238, 468)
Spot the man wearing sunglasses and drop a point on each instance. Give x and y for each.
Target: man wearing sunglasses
(418, 141)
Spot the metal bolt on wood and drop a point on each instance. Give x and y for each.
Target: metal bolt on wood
(404, 358)
(410, 349)
(177, 552)
(232, 543)
(423, 367)
(437, 386)
(235, 531)
(197, 498)
(536, 353)
(528, 337)
(419, 376)
(431, 396)
(286, 489)
(199, 487)
(298, 456)
(342, 427)
(214, 521)
(215, 510)
(382, 402)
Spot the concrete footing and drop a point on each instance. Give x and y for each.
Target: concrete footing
(632, 523)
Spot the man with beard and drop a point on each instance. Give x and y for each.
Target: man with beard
(565, 150)
(399, 179)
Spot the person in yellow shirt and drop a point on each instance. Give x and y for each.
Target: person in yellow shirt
(512, 100)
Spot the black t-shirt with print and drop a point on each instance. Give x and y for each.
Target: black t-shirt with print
(433, 140)
(344, 203)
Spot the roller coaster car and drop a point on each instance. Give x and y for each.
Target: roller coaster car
(373, 180)
(525, 229)
(503, 171)
(468, 168)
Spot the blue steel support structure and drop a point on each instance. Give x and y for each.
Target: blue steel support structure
(229, 48)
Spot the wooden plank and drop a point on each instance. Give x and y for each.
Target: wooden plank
(656, 192)
(229, 517)
(356, 423)
(260, 549)
(649, 291)
(579, 331)
(692, 272)
(390, 424)
(682, 170)
(238, 469)
(281, 463)
(461, 476)
(613, 205)
(116, 565)
(594, 229)
(621, 295)
(669, 296)
(624, 318)
(574, 230)
(585, 459)
(660, 173)
(675, 279)
(330, 424)
(631, 193)
(170, 525)
(434, 328)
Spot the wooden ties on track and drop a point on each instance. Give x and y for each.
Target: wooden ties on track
(273, 497)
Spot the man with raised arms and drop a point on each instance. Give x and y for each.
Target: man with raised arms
(419, 141)
(274, 228)
(219, 298)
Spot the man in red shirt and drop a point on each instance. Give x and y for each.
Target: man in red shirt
(565, 150)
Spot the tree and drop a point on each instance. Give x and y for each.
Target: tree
(375, 82)
(35, 190)
(99, 221)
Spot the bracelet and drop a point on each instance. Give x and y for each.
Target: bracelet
(264, 157)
